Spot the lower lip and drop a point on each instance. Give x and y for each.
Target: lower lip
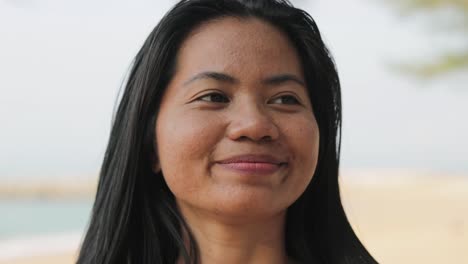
(252, 168)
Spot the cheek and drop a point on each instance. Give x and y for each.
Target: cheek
(184, 145)
(304, 141)
(303, 135)
(311, 142)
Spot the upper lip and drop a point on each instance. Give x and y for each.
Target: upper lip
(253, 158)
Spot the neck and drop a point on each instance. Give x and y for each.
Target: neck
(229, 241)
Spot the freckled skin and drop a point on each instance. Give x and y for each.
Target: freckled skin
(193, 134)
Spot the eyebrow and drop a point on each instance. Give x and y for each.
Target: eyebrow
(218, 76)
(222, 77)
(283, 78)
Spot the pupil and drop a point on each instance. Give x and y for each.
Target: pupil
(217, 98)
(289, 100)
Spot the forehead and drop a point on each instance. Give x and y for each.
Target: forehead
(238, 46)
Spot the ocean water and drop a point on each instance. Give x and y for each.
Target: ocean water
(22, 218)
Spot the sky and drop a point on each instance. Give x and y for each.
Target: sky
(62, 64)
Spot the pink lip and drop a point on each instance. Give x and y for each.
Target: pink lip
(253, 164)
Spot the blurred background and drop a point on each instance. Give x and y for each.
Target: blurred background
(404, 71)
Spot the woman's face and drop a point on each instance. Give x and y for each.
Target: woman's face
(236, 134)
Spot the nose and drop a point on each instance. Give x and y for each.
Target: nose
(250, 121)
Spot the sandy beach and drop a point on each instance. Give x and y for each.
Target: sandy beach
(400, 216)
(62, 258)
(410, 217)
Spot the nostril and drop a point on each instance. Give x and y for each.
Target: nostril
(253, 128)
(261, 140)
(266, 138)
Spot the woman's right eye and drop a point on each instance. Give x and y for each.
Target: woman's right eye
(214, 97)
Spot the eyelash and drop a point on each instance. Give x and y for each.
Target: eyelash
(225, 99)
(296, 101)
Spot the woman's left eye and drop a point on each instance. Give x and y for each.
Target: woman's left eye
(286, 99)
(214, 97)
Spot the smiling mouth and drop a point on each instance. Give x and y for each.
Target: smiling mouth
(253, 167)
(253, 164)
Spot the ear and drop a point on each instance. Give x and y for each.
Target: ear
(155, 166)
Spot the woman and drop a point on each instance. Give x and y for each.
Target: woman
(225, 145)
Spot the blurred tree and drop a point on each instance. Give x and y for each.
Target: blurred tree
(455, 20)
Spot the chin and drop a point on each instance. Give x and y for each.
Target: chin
(249, 205)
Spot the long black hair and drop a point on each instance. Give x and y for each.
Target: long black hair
(135, 218)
